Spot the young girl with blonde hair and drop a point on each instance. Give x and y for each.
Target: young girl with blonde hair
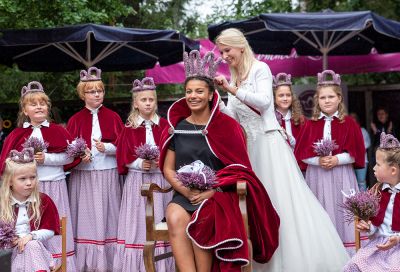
(329, 175)
(382, 253)
(143, 126)
(33, 214)
(34, 122)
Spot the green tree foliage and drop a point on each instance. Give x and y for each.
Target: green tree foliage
(24, 14)
(50, 13)
(242, 9)
(388, 8)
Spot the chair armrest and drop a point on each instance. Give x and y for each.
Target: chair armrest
(147, 191)
(149, 188)
(241, 189)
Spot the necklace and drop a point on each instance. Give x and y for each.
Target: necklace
(195, 125)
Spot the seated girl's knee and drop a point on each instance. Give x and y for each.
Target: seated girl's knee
(177, 217)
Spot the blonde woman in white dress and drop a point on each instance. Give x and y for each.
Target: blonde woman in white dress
(308, 240)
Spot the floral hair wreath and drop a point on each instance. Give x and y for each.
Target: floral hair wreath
(92, 74)
(33, 86)
(282, 79)
(146, 84)
(388, 141)
(26, 155)
(196, 66)
(322, 78)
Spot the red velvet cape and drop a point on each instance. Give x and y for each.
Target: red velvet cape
(347, 135)
(130, 138)
(80, 125)
(295, 128)
(221, 214)
(55, 135)
(49, 219)
(383, 203)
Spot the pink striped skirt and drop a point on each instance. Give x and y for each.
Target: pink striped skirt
(57, 191)
(371, 259)
(35, 257)
(327, 186)
(132, 223)
(95, 198)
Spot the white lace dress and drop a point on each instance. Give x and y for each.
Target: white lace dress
(308, 240)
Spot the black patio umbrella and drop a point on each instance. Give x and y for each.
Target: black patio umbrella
(317, 33)
(75, 47)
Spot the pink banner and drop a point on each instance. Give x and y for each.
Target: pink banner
(293, 64)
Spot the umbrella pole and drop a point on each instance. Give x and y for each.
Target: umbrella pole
(324, 59)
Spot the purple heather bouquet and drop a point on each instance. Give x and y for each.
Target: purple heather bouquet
(7, 235)
(197, 176)
(76, 148)
(37, 144)
(147, 152)
(279, 117)
(324, 147)
(364, 205)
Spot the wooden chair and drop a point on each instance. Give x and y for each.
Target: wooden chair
(159, 232)
(63, 229)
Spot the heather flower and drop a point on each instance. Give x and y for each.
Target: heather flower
(364, 205)
(7, 235)
(197, 176)
(77, 148)
(279, 117)
(324, 147)
(37, 144)
(147, 152)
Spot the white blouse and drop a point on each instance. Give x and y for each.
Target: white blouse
(137, 164)
(22, 225)
(385, 229)
(100, 160)
(343, 158)
(52, 168)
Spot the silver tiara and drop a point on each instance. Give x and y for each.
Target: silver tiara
(146, 84)
(196, 66)
(26, 155)
(33, 86)
(322, 80)
(92, 74)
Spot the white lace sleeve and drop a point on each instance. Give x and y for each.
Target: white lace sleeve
(228, 109)
(258, 95)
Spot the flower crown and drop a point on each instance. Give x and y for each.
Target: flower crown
(25, 156)
(33, 86)
(323, 81)
(92, 74)
(146, 84)
(195, 66)
(388, 141)
(282, 79)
